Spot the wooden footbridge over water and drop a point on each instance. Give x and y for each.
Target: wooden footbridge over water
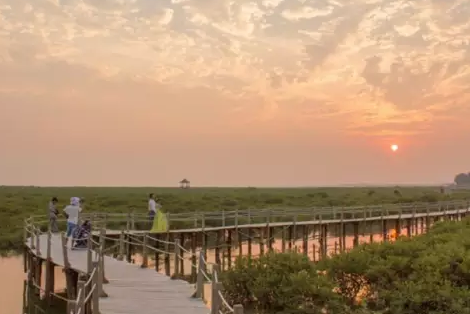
(104, 278)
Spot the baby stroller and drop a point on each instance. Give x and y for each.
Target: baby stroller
(81, 235)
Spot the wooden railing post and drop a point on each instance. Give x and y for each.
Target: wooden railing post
(25, 231)
(98, 264)
(89, 256)
(145, 256)
(238, 309)
(200, 276)
(101, 254)
(121, 246)
(132, 220)
(167, 255)
(128, 220)
(31, 239)
(102, 238)
(216, 302)
(80, 305)
(105, 221)
(96, 292)
(38, 243)
(71, 305)
(167, 221)
(65, 254)
(236, 218)
(177, 258)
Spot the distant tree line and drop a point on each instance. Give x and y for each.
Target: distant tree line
(462, 179)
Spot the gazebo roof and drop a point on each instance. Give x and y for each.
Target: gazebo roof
(184, 181)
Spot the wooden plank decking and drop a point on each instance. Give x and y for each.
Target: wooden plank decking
(131, 289)
(302, 223)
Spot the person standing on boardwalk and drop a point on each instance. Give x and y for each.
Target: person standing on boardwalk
(154, 206)
(53, 212)
(72, 212)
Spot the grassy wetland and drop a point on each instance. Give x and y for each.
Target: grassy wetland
(17, 203)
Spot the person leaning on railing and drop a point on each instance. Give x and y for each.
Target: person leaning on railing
(53, 213)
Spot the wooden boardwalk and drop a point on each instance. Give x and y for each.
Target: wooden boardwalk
(131, 289)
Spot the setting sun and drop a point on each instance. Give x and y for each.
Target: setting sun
(394, 147)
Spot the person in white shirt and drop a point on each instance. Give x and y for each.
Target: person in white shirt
(154, 206)
(72, 212)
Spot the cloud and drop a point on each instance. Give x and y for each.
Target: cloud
(349, 61)
(306, 12)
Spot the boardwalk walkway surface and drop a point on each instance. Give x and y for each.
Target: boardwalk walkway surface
(131, 289)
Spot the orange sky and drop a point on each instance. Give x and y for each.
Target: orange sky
(245, 93)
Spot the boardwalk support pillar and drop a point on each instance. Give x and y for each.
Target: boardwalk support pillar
(145, 257)
(49, 285)
(323, 240)
(306, 233)
(356, 234)
(38, 275)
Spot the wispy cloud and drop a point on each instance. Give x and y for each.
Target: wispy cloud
(364, 62)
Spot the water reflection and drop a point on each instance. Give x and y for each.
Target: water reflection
(35, 304)
(11, 286)
(15, 297)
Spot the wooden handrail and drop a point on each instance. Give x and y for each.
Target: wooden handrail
(204, 220)
(92, 289)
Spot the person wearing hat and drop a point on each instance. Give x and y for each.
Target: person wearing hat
(72, 212)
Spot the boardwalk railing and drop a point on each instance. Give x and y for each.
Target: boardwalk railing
(90, 285)
(89, 288)
(237, 218)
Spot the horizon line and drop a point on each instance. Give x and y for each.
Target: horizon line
(358, 185)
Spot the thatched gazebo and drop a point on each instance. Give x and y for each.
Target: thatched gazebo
(185, 184)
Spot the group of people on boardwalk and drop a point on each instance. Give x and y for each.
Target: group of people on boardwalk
(73, 210)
